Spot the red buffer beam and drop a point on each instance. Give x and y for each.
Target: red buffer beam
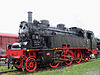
(3, 56)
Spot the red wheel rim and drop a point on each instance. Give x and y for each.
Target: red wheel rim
(78, 56)
(69, 58)
(31, 64)
(54, 64)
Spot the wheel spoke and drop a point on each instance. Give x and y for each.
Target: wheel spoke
(31, 65)
(78, 56)
(69, 58)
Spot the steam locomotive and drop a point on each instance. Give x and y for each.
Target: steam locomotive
(40, 44)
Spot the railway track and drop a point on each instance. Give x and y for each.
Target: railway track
(7, 71)
(46, 67)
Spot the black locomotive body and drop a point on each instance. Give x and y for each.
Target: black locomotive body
(41, 35)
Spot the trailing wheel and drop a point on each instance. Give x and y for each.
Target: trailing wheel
(87, 57)
(31, 64)
(69, 57)
(78, 56)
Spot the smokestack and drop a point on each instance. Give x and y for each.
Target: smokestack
(29, 17)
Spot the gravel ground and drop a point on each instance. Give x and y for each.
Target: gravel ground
(97, 72)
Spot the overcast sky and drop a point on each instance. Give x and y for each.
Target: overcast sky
(80, 13)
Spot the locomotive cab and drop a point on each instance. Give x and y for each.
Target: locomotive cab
(91, 41)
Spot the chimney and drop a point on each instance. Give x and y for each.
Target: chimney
(29, 17)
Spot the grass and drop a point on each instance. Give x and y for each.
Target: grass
(5, 68)
(99, 55)
(77, 69)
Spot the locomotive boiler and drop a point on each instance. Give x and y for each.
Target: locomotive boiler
(39, 34)
(39, 43)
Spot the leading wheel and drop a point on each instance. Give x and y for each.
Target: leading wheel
(31, 64)
(21, 62)
(78, 56)
(69, 58)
